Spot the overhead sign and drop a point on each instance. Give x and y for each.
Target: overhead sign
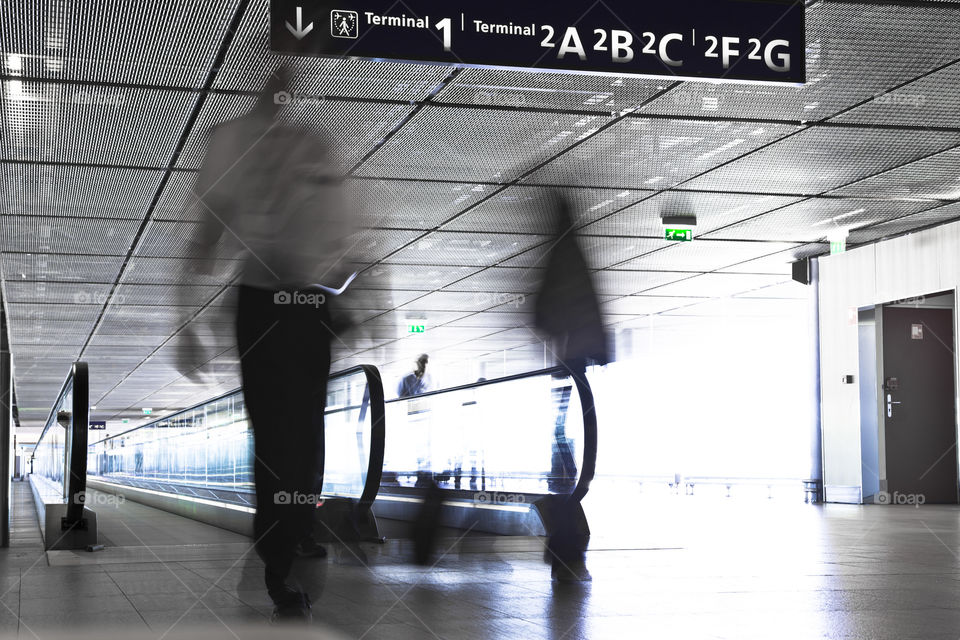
(760, 40)
(679, 235)
(97, 424)
(417, 328)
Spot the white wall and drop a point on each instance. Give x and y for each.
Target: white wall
(914, 265)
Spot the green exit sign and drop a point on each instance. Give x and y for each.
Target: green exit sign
(680, 235)
(838, 246)
(417, 328)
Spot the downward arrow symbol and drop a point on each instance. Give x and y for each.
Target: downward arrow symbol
(300, 30)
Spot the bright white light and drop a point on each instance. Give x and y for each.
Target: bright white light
(840, 217)
(15, 62)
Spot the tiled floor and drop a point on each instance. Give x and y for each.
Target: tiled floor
(694, 569)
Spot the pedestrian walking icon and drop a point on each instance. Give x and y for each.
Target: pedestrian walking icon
(344, 24)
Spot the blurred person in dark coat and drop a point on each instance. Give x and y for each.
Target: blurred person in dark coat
(270, 195)
(568, 311)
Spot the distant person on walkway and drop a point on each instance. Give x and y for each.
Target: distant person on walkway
(270, 193)
(416, 382)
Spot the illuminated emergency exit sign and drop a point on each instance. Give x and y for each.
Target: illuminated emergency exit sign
(680, 235)
(417, 328)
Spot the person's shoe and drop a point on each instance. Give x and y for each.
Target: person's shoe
(571, 571)
(293, 606)
(310, 548)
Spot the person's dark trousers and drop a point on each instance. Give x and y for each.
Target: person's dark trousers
(285, 362)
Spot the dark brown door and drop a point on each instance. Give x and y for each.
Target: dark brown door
(918, 400)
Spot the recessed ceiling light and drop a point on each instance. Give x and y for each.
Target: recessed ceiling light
(15, 62)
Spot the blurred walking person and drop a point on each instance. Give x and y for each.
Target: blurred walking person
(270, 193)
(568, 311)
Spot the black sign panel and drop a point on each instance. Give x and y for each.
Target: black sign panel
(717, 39)
(97, 424)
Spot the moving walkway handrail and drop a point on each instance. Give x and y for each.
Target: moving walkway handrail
(377, 437)
(373, 399)
(76, 426)
(585, 392)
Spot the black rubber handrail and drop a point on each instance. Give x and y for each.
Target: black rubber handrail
(374, 394)
(588, 465)
(75, 439)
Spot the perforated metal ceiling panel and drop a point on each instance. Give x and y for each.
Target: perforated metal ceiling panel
(823, 158)
(352, 128)
(55, 292)
(704, 255)
(487, 145)
(817, 218)
(463, 249)
(164, 295)
(715, 285)
(940, 215)
(712, 210)
(78, 236)
(175, 202)
(778, 262)
(45, 266)
(645, 305)
(120, 126)
(500, 280)
(935, 177)
(249, 63)
(933, 100)
(743, 307)
(560, 91)
(523, 209)
(410, 204)
(386, 276)
(77, 191)
(141, 270)
(645, 153)
(172, 42)
(623, 283)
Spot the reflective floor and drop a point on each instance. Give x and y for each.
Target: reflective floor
(691, 567)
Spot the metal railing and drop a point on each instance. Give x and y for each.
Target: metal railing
(60, 455)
